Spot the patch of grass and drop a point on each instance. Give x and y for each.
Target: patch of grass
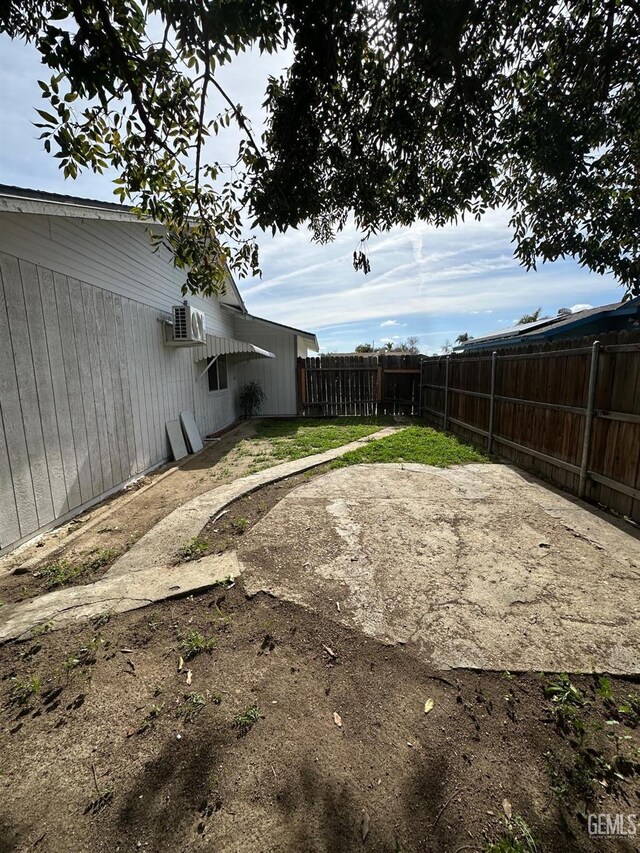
(100, 557)
(193, 643)
(240, 524)
(298, 437)
(246, 720)
(193, 550)
(25, 688)
(414, 444)
(58, 573)
(61, 572)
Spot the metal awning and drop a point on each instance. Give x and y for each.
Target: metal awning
(216, 346)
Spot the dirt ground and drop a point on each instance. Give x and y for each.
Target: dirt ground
(476, 566)
(94, 540)
(246, 720)
(110, 749)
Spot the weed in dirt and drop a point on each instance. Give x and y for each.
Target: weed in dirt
(414, 444)
(518, 838)
(219, 620)
(216, 698)
(557, 779)
(99, 557)
(193, 550)
(84, 658)
(605, 689)
(24, 689)
(191, 706)
(150, 718)
(2, 603)
(566, 699)
(40, 630)
(246, 720)
(193, 643)
(100, 621)
(58, 573)
(240, 524)
(629, 710)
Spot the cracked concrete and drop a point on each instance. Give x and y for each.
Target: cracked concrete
(148, 572)
(475, 566)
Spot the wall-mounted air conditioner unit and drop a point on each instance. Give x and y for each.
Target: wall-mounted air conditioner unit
(188, 327)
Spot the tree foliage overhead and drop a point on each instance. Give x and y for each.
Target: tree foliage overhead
(391, 111)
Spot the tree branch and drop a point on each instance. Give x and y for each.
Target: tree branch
(123, 64)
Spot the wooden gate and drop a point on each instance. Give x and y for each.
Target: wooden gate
(342, 385)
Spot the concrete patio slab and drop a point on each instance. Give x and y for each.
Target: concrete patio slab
(473, 566)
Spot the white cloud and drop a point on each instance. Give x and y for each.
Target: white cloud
(390, 323)
(581, 306)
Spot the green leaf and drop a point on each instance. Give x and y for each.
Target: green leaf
(47, 117)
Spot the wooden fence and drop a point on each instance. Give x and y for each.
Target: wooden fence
(568, 410)
(338, 385)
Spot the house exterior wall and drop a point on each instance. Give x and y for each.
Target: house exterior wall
(276, 375)
(86, 382)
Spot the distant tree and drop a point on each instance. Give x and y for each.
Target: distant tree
(364, 348)
(463, 338)
(531, 318)
(389, 346)
(409, 346)
(446, 347)
(412, 344)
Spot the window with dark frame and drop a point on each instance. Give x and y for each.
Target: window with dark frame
(217, 373)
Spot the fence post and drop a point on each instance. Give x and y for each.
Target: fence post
(588, 422)
(492, 401)
(445, 422)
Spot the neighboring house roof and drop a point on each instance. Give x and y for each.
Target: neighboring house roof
(308, 336)
(24, 200)
(562, 325)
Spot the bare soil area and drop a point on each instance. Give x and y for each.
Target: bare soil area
(90, 543)
(285, 731)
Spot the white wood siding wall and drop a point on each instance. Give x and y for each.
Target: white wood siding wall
(277, 376)
(114, 255)
(86, 382)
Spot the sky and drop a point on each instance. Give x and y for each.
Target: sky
(429, 283)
